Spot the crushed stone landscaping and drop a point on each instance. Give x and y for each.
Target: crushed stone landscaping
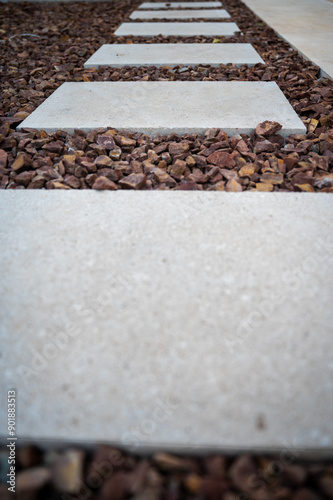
(45, 45)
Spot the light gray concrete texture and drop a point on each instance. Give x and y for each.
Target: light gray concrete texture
(180, 14)
(169, 319)
(165, 107)
(177, 5)
(177, 29)
(173, 54)
(306, 24)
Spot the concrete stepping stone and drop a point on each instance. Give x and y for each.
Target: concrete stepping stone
(169, 320)
(181, 14)
(177, 29)
(177, 5)
(305, 25)
(173, 54)
(165, 107)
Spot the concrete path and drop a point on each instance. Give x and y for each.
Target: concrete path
(165, 107)
(181, 320)
(177, 29)
(173, 54)
(181, 14)
(174, 320)
(305, 24)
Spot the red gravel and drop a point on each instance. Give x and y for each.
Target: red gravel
(106, 473)
(32, 67)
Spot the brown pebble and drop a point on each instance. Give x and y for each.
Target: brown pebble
(168, 462)
(3, 158)
(114, 488)
(267, 128)
(222, 159)
(325, 484)
(178, 148)
(103, 183)
(67, 471)
(233, 185)
(30, 481)
(24, 178)
(133, 181)
(29, 456)
(306, 494)
(241, 470)
(22, 162)
(72, 181)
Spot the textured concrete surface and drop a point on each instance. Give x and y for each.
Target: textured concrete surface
(177, 28)
(168, 319)
(181, 14)
(176, 5)
(173, 54)
(305, 24)
(165, 107)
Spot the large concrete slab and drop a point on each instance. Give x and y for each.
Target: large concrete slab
(169, 319)
(173, 54)
(180, 14)
(177, 29)
(165, 107)
(306, 24)
(177, 5)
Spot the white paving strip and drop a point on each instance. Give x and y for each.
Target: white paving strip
(180, 14)
(173, 54)
(167, 319)
(306, 24)
(177, 29)
(177, 5)
(165, 107)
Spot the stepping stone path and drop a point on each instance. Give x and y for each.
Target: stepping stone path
(165, 107)
(174, 54)
(210, 305)
(210, 310)
(177, 29)
(181, 5)
(180, 14)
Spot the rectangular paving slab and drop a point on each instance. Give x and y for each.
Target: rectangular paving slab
(306, 24)
(173, 54)
(181, 14)
(177, 29)
(165, 107)
(168, 319)
(181, 5)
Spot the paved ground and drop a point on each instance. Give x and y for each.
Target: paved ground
(215, 305)
(218, 305)
(172, 54)
(305, 24)
(166, 107)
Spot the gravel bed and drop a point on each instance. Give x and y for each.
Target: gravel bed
(67, 34)
(106, 473)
